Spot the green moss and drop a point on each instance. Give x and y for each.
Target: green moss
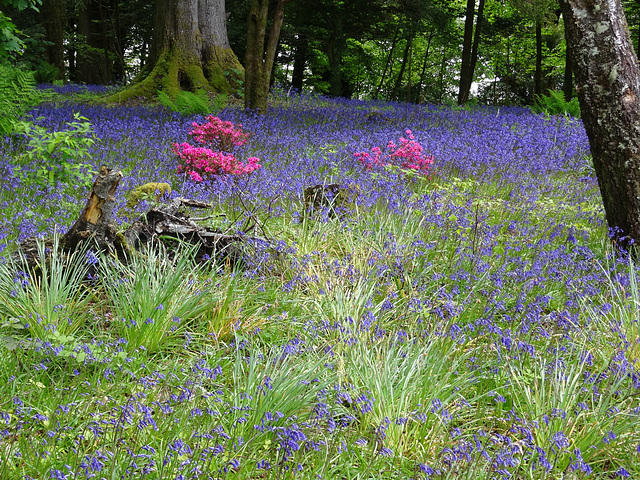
(151, 189)
(174, 72)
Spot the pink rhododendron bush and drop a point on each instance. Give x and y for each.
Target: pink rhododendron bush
(214, 158)
(408, 154)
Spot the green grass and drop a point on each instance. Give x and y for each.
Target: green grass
(380, 346)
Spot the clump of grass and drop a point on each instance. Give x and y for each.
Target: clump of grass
(50, 298)
(153, 300)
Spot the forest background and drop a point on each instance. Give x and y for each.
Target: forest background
(407, 50)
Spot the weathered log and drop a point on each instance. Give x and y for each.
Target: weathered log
(165, 226)
(168, 226)
(332, 199)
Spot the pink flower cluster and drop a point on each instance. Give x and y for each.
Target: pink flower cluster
(223, 135)
(200, 163)
(407, 155)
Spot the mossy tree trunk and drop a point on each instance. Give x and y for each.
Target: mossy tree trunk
(607, 78)
(190, 50)
(260, 55)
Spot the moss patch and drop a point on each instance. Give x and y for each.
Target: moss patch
(174, 72)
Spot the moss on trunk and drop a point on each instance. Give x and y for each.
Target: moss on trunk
(174, 72)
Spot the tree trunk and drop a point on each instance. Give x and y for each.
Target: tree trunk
(190, 50)
(395, 94)
(54, 18)
(567, 85)
(424, 68)
(469, 50)
(260, 56)
(335, 48)
(465, 69)
(94, 223)
(93, 51)
(299, 63)
(386, 66)
(537, 77)
(608, 84)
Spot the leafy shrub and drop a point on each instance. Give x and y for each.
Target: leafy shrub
(56, 156)
(555, 104)
(188, 103)
(46, 73)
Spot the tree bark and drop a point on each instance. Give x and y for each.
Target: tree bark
(567, 84)
(299, 62)
(260, 56)
(190, 50)
(94, 222)
(386, 66)
(395, 94)
(424, 68)
(93, 66)
(537, 77)
(54, 18)
(470, 46)
(607, 80)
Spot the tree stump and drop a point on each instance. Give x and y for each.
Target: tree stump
(94, 222)
(333, 200)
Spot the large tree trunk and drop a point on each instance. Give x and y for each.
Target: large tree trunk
(54, 18)
(567, 84)
(190, 50)
(608, 85)
(260, 56)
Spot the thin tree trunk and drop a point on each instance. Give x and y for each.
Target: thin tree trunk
(467, 43)
(442, 68)
(476, 41)
(424, 68)
(607, 78)
(537, 78)
(395, 94)
(260, 56)
(386, 67)
(409, 72)
(299, 62)
(470, 50)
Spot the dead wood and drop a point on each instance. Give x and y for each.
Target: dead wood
(165, 226)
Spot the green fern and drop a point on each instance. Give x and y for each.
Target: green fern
(18, 93)
(166, 101)
(191, 104)
(555, 104)
(187, 103)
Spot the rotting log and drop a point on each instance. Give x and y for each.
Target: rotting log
(165, 227)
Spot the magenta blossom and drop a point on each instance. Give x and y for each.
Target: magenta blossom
(200, 163)
(407, 155)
